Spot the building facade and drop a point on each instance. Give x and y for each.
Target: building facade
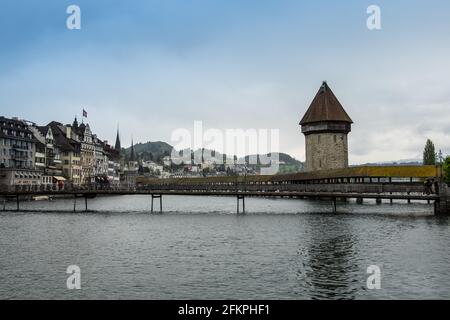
(83, 131)
(130, 169)
(17, 153)
(100, 159)
(47, 155)
(326, 126)
(57, 154)
(114, 168)
(69, 149)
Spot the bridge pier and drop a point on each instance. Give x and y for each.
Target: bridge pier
(154, 196)
(85, 203)
(239, 197)
(334, 205)
(442, 206)
(17, 200)
(359, 200)
(378, 201)
(74, 203)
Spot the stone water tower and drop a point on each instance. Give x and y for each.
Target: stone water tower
(326, 126)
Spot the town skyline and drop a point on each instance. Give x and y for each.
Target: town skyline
(128, 142)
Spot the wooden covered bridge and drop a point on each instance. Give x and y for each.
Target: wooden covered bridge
(370, 182)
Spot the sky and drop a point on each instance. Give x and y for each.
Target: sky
(156, 66)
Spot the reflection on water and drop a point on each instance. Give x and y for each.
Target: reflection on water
(328, 269)
(200, 249)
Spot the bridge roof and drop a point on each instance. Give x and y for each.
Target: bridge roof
(365, 172)
(325, 107)
(420, 172)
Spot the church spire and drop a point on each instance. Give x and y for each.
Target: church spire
(117, 146)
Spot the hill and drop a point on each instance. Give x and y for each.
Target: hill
(152, 151)
(155, 151)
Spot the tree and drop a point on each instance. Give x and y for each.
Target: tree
(429, 153)
(446, 170)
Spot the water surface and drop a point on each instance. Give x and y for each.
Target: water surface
(200, 249)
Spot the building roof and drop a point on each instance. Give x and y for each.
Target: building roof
(43, 130)
(325, 107)
(61, 141)
(15, 129)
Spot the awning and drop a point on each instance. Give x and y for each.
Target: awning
(58, 178)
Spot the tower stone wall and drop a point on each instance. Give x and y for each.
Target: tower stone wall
(326, 151)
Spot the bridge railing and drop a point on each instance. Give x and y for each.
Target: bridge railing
(375, 188)
(67, 187)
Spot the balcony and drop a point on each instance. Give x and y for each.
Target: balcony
(20, 156)
(19, 147)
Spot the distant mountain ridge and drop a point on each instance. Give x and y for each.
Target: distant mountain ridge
(414, 161)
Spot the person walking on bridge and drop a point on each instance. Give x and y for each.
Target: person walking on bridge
(428, 184)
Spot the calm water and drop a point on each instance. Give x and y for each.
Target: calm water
(200, 249)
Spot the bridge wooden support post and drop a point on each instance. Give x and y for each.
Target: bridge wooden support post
(391, 200)
(378, 201)
(17, 200)
(85, 203)
(334, 205)
(442, 205)
(359, 200)
(4, 203)
(239, 197)
(74, 202)
(154, 196)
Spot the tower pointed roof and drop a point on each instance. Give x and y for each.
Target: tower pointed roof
(117, 145)
(325, 107)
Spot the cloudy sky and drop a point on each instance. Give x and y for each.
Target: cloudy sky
(158, 65)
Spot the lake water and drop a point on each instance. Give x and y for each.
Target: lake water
(200, 249)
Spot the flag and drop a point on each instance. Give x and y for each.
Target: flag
(84, 113)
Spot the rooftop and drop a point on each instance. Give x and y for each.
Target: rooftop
(325, 107)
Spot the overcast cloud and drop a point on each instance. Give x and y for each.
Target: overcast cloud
(155, 66)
